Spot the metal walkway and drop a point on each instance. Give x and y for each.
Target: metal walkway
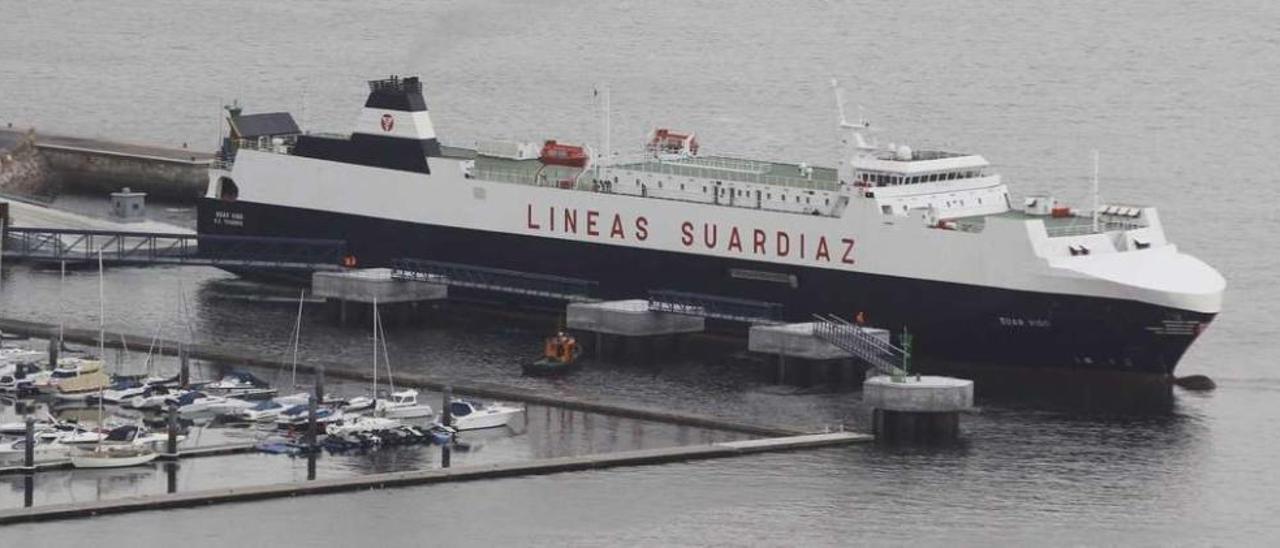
(494, 279)
(852, 338)
(714, 306)
(143, 248)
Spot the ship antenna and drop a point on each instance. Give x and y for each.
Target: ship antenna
(855, 129)
(1095, 191)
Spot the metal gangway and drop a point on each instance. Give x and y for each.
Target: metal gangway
(494, 279)
(715, 306)
(56, 245)
(852, 338)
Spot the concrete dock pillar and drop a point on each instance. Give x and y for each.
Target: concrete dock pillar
(802, 358)
(362, 287)
(911, 408)
(628, 328)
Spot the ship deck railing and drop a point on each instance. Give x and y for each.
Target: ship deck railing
(705, 168)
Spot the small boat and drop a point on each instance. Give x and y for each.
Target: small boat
(403, 405)
(352, 425)
(44, 450)
(263, 411)
(469, 415)
(124, 388)
(559, 356)
(240, 384)
(20, 428)
(196, 402)
(69, 369)
(19, 387)
(113, 456)
(14, 355)
(297, 416)
(282, 446)
(154, 397)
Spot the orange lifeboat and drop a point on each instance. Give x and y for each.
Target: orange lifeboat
(558, 154)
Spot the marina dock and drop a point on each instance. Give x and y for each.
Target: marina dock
(424, 477)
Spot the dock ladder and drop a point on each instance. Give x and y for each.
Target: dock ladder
(852, 338)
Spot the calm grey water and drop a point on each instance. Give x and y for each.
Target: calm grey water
(1178, 96)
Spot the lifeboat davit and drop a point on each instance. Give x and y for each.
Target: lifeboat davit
(557, 154)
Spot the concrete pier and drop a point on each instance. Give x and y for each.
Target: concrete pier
(351, 294)
(629, 329)
(802, 358)
(917, 408)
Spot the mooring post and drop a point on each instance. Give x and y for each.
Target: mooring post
(446, 415)
(172, 443)
(171, 477)
(311, 424)
(319, 383)
(53, 352)
(184, 373)
(29, 450)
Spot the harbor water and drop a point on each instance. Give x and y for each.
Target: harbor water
(1177, 97)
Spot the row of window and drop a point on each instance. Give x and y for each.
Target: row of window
(880, 179)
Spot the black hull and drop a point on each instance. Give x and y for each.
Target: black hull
(951, 322)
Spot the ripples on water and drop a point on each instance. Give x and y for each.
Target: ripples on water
(1179, 99)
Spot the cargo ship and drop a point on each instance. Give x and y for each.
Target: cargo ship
(928, 240)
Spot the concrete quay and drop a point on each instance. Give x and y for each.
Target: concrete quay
(801, 357)
(404, 479)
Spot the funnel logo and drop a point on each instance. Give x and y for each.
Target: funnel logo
(388, 122)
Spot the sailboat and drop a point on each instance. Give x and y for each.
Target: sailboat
(88, 378)
(114, 453)
(402, 404)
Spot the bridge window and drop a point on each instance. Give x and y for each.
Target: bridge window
(227, 190)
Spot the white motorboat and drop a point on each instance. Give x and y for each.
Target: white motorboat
(153, 398)
(9, 384)
(10, 356)
(20, 428)
(297, 416)
(468, 415)
(44, 451)
(240, 384)
(263, 411)
(196, 402)
(356, 424)
(124, 390)
(403, 405)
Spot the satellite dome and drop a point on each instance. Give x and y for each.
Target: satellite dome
(903, 153)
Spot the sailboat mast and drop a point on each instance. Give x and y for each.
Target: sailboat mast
(297, 335)
(102, 314)
(375, 353)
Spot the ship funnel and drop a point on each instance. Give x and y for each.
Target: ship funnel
(397, 110)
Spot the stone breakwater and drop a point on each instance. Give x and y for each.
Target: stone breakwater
(24, 171)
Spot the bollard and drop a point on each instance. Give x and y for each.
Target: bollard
(319, 383)
(446, 415)
(311, 424)
(29, 451)
(53, 353)
(184, 374)
(172, 444)
(445, 454)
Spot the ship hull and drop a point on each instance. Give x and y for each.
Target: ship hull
(950, 321)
